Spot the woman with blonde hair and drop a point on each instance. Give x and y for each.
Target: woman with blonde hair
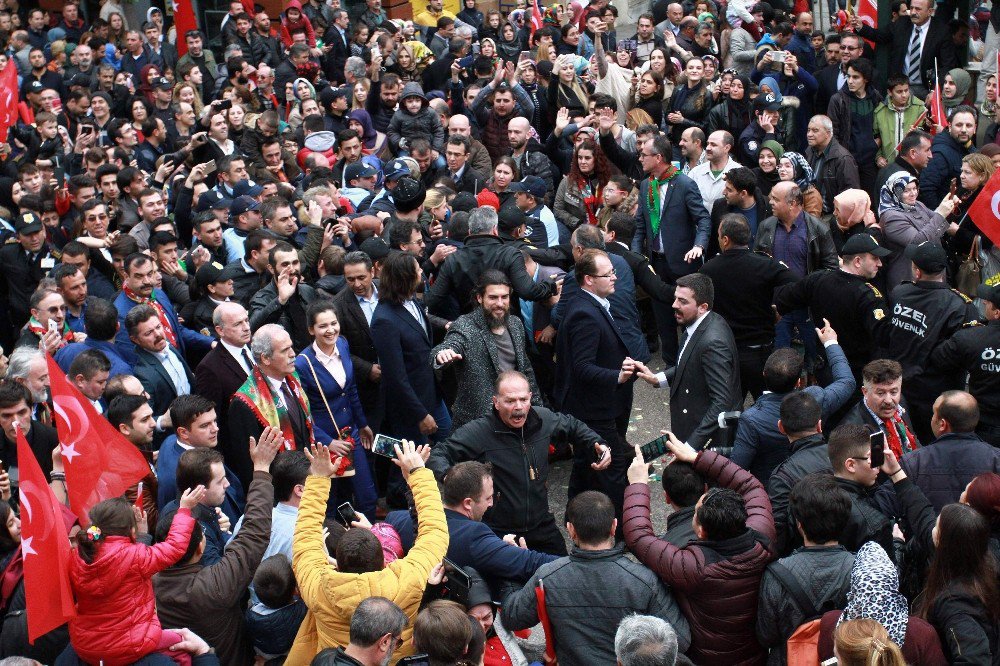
(186, 91)
(637, 117)
(865, 643)
(360, 93)
(411, 60)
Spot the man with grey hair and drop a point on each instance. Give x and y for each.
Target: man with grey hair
(354, 70)
(224, 369)
(832, 163)
(645, 640)
(376, 626)
(271, 396)
(460, 272)
(27, 366)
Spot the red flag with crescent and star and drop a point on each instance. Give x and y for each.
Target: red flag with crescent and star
(100, 463)
(985, 210)
(184, 20)
(8, 98)
(44, 548)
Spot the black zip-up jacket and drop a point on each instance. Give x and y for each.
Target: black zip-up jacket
(520, 459)
(461, 270)
(808, 456)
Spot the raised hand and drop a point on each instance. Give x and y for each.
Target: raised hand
(192, 496)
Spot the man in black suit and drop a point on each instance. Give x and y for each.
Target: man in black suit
(270, 397)
(225, 368)
(918, 45)
(881, 406)
(706, 381)
(355, 307)
(456, 153)
(338, 39)
(595, 377)
(672, 229)
(833, 77)
(159, 366)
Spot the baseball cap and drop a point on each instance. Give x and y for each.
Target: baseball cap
(213, 272)
(35, 87)
(163, 83)
(861, 244)
(928, 256)
(989, 293)
(509, 218)
(359, 170)
(80, 80)
(242, 204)
(533, 185)
(28, 223)
(247, 187)
(375, 248)
(212, 200)
(464, 201)
(766, 102)
(396, 169)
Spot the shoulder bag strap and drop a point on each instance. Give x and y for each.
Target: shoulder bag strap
(322, 394)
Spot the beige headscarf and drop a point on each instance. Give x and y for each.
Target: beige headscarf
(851, 207)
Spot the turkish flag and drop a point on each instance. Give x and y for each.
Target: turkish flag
(937, 109)
(100, 463)
(8, 98)
(868, 13)
(536, 17)
(184, 20)
(44, 547)
(985, 210)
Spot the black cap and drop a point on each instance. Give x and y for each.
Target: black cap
(409, 194)
(479, 591)
(163, 83)
(28, 223)
(35, 87)
(464, 201)
(375, 248)
(510, 218)
(862, 244)
(989, 293)
(766, 102)
(928, 256)
(214, 272)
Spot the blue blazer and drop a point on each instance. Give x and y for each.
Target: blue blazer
(685, 222)
(408, 381)
(589, 355)
(472, 543)
(166, 477)
(119, 366)
(187, 340)
(623, 307)
(343, 400)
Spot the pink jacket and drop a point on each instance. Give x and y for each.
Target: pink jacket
(116, 611)
(289, 26)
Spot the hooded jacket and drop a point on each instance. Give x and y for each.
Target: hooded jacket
(289, 26)
(116, 620)
(425, 124)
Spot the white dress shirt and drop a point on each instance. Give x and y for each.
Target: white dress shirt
(333, 364)
(175, 369)
(237, 353)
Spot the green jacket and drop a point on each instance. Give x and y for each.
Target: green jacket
(892, 125)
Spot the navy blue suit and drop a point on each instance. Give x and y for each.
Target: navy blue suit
(187, 340)
(589, 355)
(156, 380)
(346, 408)
(408, 381)
(623, 308)
(166, 478)
(472, 543)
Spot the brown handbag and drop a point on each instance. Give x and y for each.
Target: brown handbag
(970, 272)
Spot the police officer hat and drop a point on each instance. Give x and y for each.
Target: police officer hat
(863, 244)
(928, 256)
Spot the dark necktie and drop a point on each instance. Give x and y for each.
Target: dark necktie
(292, 407)
(684, 339)
(246, 357)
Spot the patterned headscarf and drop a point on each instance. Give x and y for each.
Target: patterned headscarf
(550, 17)
(890, 197)
(874, 593)
(803, 175)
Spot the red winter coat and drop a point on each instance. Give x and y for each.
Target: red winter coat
(288, 26)
(116, 611)
(716, 583)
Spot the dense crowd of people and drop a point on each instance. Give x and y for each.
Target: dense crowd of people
(352, 285)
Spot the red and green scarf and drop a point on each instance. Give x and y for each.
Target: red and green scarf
(592, 198)
(900, 439)
(269, 409)
(653, 197)
(36, 327)
(168, 328)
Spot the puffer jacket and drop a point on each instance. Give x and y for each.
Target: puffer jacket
(116, 620)
(943, 470)
(333, 596)
(569, 206)
(535, 162)
(426, 124)
(716, 582)
(578, 590)
(945, 164)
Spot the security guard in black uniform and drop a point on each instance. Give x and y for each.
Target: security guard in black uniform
(925, 312)
(976, 350)
(744, 290)
(25, 260)
(854, 307)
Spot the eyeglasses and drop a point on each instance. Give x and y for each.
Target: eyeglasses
(56, 309)
(867, 458)
(612, 273)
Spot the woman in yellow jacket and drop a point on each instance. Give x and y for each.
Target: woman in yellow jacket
(332, 595)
